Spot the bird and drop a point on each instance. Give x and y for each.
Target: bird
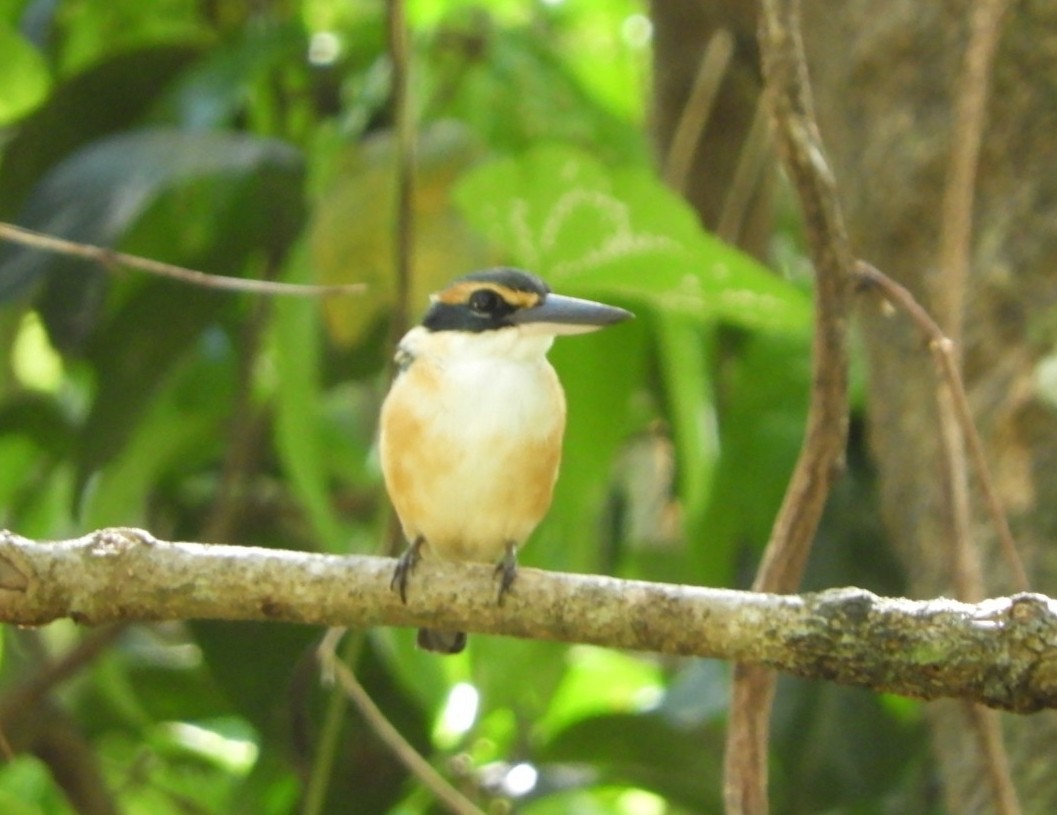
(470, 437)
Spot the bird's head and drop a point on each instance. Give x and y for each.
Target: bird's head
(504, 298)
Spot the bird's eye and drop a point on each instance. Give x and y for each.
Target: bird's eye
(484, 301)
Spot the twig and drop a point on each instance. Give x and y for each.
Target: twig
(949, 291)
(967, 129)
(946, 363)
(57, 740)
(948, 297)
(404, 122)
(1000, 652)
(403, 267)
(390, 736)
(695, 113)
(821, 456)
(994, 758)
(27, 693)
(110, 259)
(30, 720)
(752, 159)
(334, 716)
(403, 260)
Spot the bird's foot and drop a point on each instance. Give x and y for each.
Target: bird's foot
(506, 571)
(404, 567)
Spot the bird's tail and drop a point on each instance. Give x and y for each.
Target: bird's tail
(443, 642)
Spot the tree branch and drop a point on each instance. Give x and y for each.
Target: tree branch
(111, 261)
(799, 145)
(1000, 652)
(336, 670)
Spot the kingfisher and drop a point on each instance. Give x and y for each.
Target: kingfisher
(471, 429)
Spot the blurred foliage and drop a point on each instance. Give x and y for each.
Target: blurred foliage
(254, 140)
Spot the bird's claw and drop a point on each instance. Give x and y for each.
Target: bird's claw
(506, 571)
(403, 569)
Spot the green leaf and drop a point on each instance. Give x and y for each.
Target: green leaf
(522, 92)
(172, 432)
(299, 440)
(108, 97)
(351, 232)
(684, 355)
(564, 215)
(600, 373)
(26, 79)
(234, 75)
(647, 751)
(764, 406)
(597, 682)
(817, 740)
(27, 788)
(253, 664)
(97, 193)
(215, 199)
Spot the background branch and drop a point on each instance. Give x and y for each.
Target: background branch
(110, 260)
(437, 784)
(948, 296)
(1000, 652)
(949, 371)
(788, 95)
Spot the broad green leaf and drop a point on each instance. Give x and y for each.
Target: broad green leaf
(601, 373)
(596, 682)
(299, 439)
(174, 432)
(108, 97)
(21, 457)
(764, 405)
(595, 800)
(684, 355)
(97, 193)
(643, 750)
(419, 672)
(698, 694)
(234, 76)
(353, 226)
(272, 788)
(522, 93)
(606, 46)
(15, 804)
(499, 663)
(214, 200)
(93, 31)
(199, 786)
(27, 788)
(817, 740)
(585, 227)
(132, 355)
(253, 664)
(169, 691)
(36, 438)
(25, 76)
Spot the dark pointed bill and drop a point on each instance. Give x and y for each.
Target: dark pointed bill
(558, 314)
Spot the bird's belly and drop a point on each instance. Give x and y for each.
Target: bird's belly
(473, 471)
(471, 508)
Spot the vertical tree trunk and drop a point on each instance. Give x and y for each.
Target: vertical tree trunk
(886, 81)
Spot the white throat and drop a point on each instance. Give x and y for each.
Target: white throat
(503, 344)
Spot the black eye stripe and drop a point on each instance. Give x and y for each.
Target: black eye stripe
(485, 301)
(478, 310)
